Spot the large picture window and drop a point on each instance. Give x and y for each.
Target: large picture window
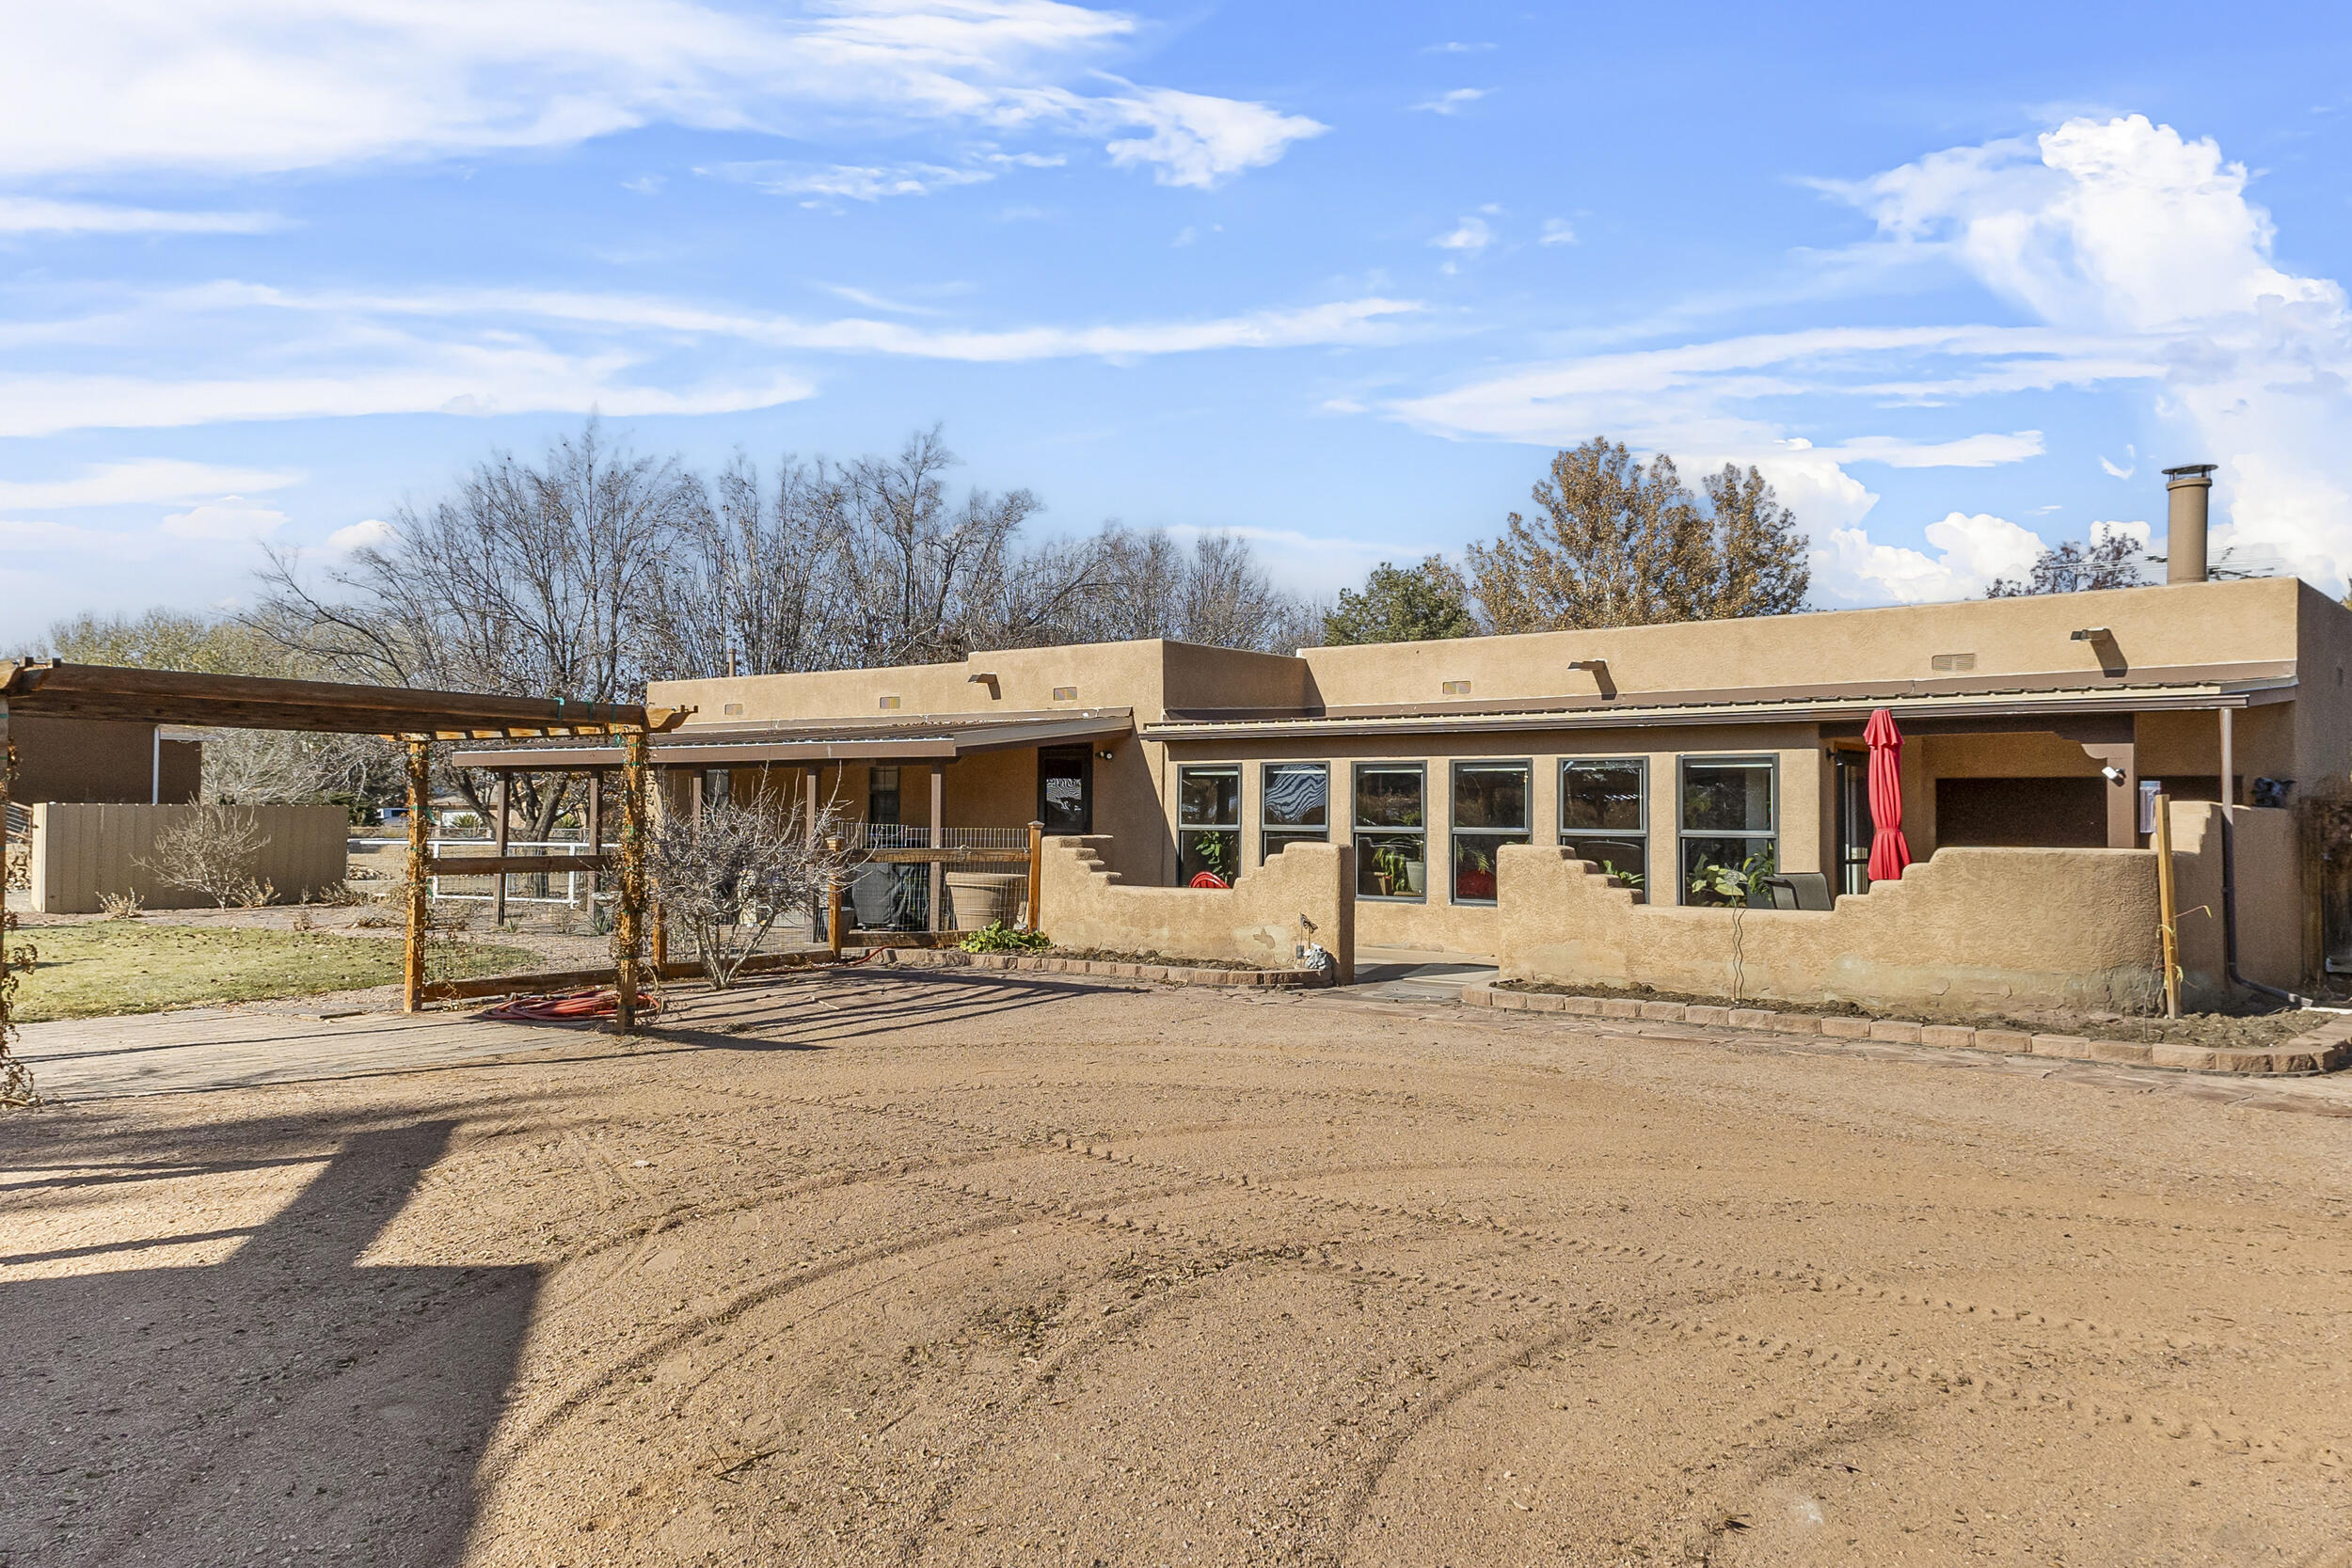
(1490, 810)
(1296, 801)
(1730, 828)
(1208, 824)
(1391, 831)
(1604, 817)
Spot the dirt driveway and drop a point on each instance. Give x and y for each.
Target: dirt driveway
(938, 1269)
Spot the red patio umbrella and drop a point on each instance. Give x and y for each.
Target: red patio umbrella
(1889, 850)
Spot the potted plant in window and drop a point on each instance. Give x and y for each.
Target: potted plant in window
(1476, 877)
(1217, 861)
(1387, 870)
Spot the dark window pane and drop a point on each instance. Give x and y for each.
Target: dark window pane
(1276, 842)
(1601, 795)
(1218, 854)
(1622, 860)
(1714, 869)
(1727, 797)
(1208, 796)
(1389, 867)
(1387, 797)
(1488, 795)
(1474, 865)
(1296, 795)
(1064, 805)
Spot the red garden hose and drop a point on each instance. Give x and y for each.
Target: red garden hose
(580, 1006)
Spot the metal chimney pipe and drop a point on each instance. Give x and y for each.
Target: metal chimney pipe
(2188, 491)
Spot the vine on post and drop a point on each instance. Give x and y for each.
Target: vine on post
(16, 1079)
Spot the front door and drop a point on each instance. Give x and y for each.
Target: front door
(1855, 827)
(1065, 788)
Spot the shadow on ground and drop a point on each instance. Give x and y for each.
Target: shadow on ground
(286, 1404)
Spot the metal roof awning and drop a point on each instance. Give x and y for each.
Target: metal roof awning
(53, 688)
(927, 737)
(2016, 698)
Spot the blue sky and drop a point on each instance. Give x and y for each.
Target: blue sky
(1338, 276)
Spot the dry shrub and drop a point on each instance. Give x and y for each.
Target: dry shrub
(126, 905)
(210, 851)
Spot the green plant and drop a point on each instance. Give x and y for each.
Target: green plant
(1737, 884)
(1388, 861)
(997, 937)
(1633, 880)
(1216, 853)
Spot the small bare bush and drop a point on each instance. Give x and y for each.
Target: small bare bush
(126, 905)
(726, 878)
(210, 851)
(255, 892)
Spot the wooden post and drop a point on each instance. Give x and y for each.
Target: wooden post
(833, 902)
(938, 914)
(628, 922)
(506, 790)
(661, 943)
(595, 833)
(420, 871)
(1037, 867)
(16, 1079)
(2168, 907)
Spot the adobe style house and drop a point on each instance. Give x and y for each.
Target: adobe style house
(1665, 767)
(1656, 752)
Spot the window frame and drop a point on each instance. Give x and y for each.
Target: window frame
(1456, 832)
(874, 793)
(1231, 831)
(1359, 830)
(1684, 833)
(1084, 756)
(1268, 832)
(1575, 838)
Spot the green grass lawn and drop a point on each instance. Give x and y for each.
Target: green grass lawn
(100, 971)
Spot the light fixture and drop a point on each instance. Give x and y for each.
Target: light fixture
(1107, 755)
(2113, 774)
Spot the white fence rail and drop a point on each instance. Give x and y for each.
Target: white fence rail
(481, 888)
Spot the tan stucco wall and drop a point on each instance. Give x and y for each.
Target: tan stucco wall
(80, 851)
(2213, 622)
(1969, 929)
(1082, 904)
(2271, 898)
(89, 759)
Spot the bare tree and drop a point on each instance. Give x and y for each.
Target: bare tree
(729, 874)
(531, 581)
(1144, 584)
(1618, 543)
(212, 851)
(2111, 561)
(747, 590)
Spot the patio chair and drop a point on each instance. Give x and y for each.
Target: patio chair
(1799, 890)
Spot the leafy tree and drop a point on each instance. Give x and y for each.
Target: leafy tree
(2111, 561)
(1403, 604)
(1618, 543)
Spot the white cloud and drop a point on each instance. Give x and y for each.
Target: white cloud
(1969, 452)
(1455, 48)
(1469, 237)
(1971, 551)
(24, 214)
(1452, 103)
(2121, 470)
(2127, 228)
(850, 181)
(272, 353)
(152, 481)
(256, 86)
(1558, 232)
(368, 533)
(230, 518)
(1198, 141)
(2137, 532)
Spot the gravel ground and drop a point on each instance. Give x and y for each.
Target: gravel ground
(939, 1268)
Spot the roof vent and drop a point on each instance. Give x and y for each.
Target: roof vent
(890, 701)
(730, 710)
(1949, 663)
(1065, 693)
(1457, 689)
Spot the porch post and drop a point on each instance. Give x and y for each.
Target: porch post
(420, 872)
(939, 846)
(2228, 759)
(498, 899)
(595, 833)
(629, 916)
(16, 1080)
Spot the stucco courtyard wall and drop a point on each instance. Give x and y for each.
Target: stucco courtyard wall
(2271, 898)
(79, 851)
(1083, 905)
(1967, 930)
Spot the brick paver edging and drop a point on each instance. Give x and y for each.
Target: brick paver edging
(2322, 1049)
(1166, 974)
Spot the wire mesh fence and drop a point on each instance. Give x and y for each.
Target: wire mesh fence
(976, 875)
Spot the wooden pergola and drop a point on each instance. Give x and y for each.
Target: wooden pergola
(415, 719)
